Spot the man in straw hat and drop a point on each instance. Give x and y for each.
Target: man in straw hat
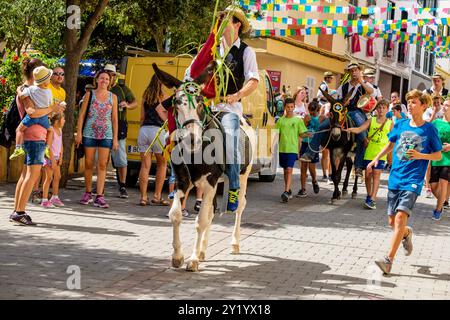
(369, 76)
(241, 60)
(327, 79)
(352, 91)
(125, 101)
(438, 85)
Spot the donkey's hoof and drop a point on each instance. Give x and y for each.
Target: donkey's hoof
(202, 256)
(192, 266)
(354, 194)
(235, 249)
(177, 262)
(344, 193)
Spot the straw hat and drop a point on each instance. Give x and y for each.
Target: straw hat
(437, 75)
(327, 74)
(369, 72)
(41, 74)
(111, 68)
(353, 64)
(240, 15)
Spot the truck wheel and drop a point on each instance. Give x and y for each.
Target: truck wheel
(266, 177)
(269, 174)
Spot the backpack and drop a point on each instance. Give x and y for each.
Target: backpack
(11, 121)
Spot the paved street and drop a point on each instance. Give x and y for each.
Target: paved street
(306, 249)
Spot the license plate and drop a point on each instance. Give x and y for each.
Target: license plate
(133, 149)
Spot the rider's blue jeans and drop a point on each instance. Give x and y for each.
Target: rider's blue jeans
(359, 118)
(230, 122)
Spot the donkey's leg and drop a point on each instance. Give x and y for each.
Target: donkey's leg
(176, 218)
(205, 237)
(235, 240)
(201, 223)
(347, 175)
(339, 173)
(335, 163)
(355, 188)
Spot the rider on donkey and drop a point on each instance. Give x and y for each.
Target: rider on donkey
(352, 90)
(241, 60)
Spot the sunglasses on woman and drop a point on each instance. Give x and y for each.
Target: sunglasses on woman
(59, 74)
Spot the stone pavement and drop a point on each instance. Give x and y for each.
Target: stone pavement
(306, 249)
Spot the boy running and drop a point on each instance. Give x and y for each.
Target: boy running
(414, 142)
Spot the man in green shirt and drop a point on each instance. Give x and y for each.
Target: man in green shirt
(125, 101)
(440, 170)
(290, 128)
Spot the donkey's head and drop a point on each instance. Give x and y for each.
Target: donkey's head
(189, 107)
(338, 114)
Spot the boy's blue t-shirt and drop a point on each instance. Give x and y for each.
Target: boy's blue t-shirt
(409, 174)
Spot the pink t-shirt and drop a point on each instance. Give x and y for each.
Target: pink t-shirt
(35, 132)
(57, 144)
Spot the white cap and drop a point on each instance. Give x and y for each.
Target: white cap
(111, 68)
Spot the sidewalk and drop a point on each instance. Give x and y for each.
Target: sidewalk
(306, 249)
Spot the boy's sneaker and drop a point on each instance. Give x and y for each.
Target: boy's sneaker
(437, 215)
(47, 204)
(316, 187)
(329, 181)
(446, 206)
(429, 194)
(172, 195)
(407, 242)
(17, 153)
(290, 194)
(302, 193)
(285, 197)
(185, 213)
(100, 202)
(56, 202)
(86, 199)
(385, 265)
(233, 200)
(123, 193)
(197, 205)
(370, 204)
(325, 178)
(21, 219)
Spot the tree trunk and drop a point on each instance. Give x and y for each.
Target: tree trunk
(76, 44)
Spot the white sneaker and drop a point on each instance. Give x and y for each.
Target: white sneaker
(429, 194)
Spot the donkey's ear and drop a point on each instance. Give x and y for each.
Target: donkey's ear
(168, 80)
(328, 97)
(206, 75)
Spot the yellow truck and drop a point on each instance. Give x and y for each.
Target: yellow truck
(259, 109)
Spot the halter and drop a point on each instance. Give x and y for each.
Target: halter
(191, 90)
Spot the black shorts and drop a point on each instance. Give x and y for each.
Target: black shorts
(439, 173)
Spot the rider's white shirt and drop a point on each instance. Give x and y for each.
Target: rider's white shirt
(250, 72)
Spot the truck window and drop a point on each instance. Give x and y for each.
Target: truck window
(269, 94)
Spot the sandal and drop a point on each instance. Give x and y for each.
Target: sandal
(160, 202)
(143, 203)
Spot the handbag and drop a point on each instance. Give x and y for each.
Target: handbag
(367, 140)
(80, 150)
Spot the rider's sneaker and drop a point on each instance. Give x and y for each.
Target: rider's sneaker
(47, 204)
(21, 219)
(100, 202)
(385, 265)
(197, 205)
(305, 158)
(17, 153)
(301, 193)
(233, 200)
(123, 192)
(86, 199)
(407, 242)
(56, 201)
(285, 197)
(437, 215)
(359, 173)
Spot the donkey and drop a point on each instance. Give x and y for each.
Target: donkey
(198, 132)
(340, 143)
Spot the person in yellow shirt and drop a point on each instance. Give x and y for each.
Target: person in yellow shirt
(57, 79)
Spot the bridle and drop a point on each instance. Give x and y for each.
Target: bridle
(192, 91)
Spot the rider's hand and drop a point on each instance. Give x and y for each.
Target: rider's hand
(233, 98)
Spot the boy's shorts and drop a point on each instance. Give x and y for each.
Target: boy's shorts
(380, 165)
(305, 147)
(287, 160)
(439, 173)
(27, 121)
(401, 200)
